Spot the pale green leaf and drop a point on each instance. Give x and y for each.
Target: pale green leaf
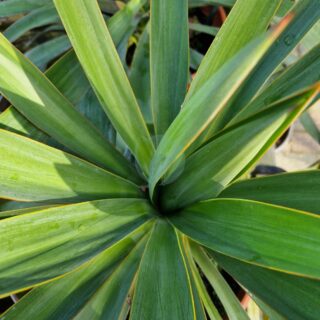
(31, 171)
(41, 246)
(169, 61)
(41, 102)
(65, 297)
(163, 290)
(274, 237)
(88, 34)
(298, 190)
(207, 171)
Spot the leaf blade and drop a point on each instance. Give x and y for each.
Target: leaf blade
(31, 171)
(171, 279)
(106, 74)
(45, 245)
(169, 67)
(274, 237)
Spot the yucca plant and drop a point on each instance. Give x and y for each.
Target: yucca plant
(127, 219)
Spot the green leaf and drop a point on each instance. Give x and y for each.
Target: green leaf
(109, 301)
(65, 297)
(292, 297)
(140, 75)
(18, 212)
(300, 75)
(304, 15)
(310, 126)
(37, 18)
(227, 297)
(38, 247)
(297, 190)
(88, 33)
(68, 76)
(220, 161)
(277, 238)
(195, 59)
(169, 63)
(41, 102)
(200, 3)
(198, 112)
(199, 288)
(42, 54)
(30, 171)
(14, 7)
(162, 271)
(247, 20)
(294, 27)
(202, 28)
(91, 108)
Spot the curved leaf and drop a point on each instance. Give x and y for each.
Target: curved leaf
(162, 271)
(293, 297)
(38, 247)
(297, 190)
(169, 50)
(217, 163)
(113, 296)
(36, 18)
(41, 102)
(303, 73)
(13, 7)
(30, 171)
(227, 297)
(42, 54)
(89, 34)
(247, 20)
(198, 112)
(274, 237)
(65, 297)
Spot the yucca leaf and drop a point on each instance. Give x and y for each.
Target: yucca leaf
(95, 49)
(68, 76)
(66, 297)
(14, 7)
(293, 297)
(140, 74)
(41, 102)
(300, 75)
(169, 61)
(198, 286)
(200, 3)
(274, 237)
(203, 107)
(247, 20)
(303, 16)
(227, 297)
(298, 190)
(162, 271)
(30, 171)
(37, 18)
(113, 296)
(18, 212)
(216, 164)
(37, 247)
(42, 54)
(202, 28)
(310, 126)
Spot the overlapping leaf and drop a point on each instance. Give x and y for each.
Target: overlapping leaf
(37, 247)
(216, 164)
(30, 171)
(278, 238)
(95, 49)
